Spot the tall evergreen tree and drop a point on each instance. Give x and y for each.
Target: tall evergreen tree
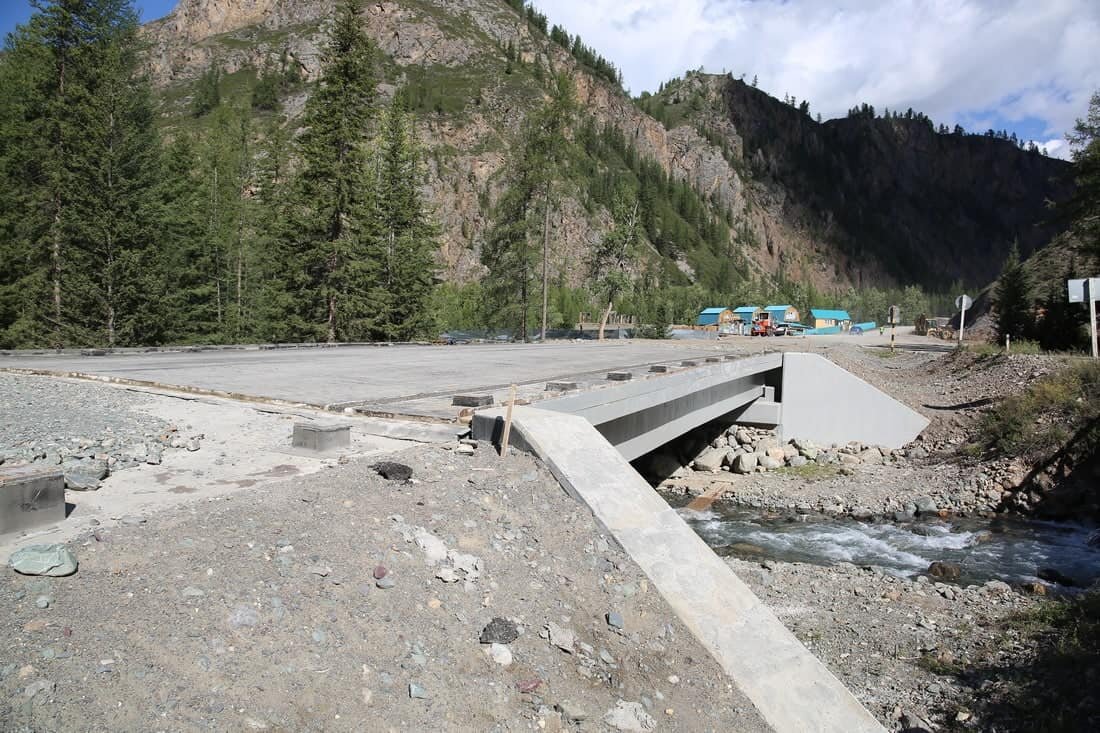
(407, 237)
(1083, 208)
(324, 236)
(510, 253)
(1012, 299)
(79, 162)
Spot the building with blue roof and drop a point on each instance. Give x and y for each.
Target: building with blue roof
(781, 313)
(714, 318)
(826, 318)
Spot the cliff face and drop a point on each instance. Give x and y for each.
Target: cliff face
(839, 204)
(896, 195)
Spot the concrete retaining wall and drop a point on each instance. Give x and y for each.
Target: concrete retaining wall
(793, 691)
(827, 404)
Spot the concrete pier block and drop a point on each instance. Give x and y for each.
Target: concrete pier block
(472, 400)
(658, 368)
(689, 363)
(30, 496)
(321, 438)
(713, 359)
(561, 386)
(620, 376)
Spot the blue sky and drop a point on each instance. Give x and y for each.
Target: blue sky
(1024, 66)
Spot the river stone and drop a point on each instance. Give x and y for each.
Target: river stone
(710, 460)
(925, 505)
(871, 455)
(944, 570)
(789, 451)
(744, 437)
(746, 463)
(798, 461)
(769, 463)
(765, 444)
(52, 560)
(393, 471)
(777, 453)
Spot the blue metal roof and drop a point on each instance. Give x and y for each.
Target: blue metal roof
(746, 309)
(777, 307)
(830, 315)
(712, 311)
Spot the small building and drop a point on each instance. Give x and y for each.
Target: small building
(714, 319)
(747, 313)
(825, 318)
(782, 314)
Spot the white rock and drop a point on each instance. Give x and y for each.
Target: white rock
(500, 654)
(629, 716)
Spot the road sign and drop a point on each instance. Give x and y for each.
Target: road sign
(1087, 291)
(963, 303)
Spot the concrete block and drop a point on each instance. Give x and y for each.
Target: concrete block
(689, 363)
(620, 376)
(561, 386)
(658, 368)
(30, 496)
(472, 400)
(713, 359)
(321, 438)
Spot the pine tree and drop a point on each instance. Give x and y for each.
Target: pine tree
(79, 154)
(407, 237)
(323, 235)
(207, 95)
(1012, 299)
(1083, 208)
(510, 253)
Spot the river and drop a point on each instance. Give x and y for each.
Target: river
(1008, 549)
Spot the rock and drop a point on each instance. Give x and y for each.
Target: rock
(1035, 588)
(615, 620)
(192, 592)
(561, 637)
(802, 444)
(925, 505)
(997, 586)
(193, 445)
(769, 463)
(38, 686)
(571, 711)
(465, 450)
(499, 631)
(789, 452)
(862, 513)
(500, 654)
(1054, 576)
(386, 582)
(320, 570)
(916, 452)
(810, 454)
(710, 460)
(744, 437)
(629, 716)
(244, 617)
(778, 454)
(393, 471)
(848, 459)
(944, 570)
(746, 463)
(797, 461)
(434, 549)
(42, 601)
(416, 692)
(871, 455)
(765, 444)
(52, 560)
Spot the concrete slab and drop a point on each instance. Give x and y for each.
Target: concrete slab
(30, 497)
(619, 376)
(381, 379)
(321, 437)
(793, 691)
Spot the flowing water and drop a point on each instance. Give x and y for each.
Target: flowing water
(1012, 550)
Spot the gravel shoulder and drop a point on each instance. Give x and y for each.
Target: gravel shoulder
(260, 610)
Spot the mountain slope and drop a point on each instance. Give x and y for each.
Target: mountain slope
(839, 204)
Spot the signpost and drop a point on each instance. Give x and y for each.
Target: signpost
(895, 316)
(963, 303)
(1087, 290)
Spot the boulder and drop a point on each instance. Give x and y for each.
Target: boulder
(768, 463)
(797, 461)
(871, 455)
(710, 460)
(802, 444)
(52, 560)
(765, 444)
(744, 437)
(745, 463)
(925, 505)
(944, 570)
(777, 453)
(848, 459)
(789, 451)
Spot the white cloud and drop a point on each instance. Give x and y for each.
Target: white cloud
(1010, 62)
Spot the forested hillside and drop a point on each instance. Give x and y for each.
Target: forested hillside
(295, 170)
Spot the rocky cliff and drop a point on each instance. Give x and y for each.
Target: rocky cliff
(837, 204)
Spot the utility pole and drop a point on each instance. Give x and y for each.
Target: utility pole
(545, 258)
